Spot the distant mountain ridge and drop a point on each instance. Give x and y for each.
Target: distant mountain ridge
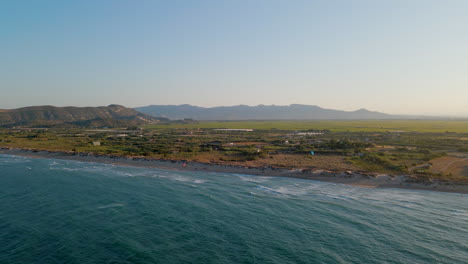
(47, 116)
(260, 112)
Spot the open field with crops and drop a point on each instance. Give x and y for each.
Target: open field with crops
(431, 126)
(425, 148)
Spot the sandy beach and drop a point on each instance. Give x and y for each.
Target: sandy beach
(361, 179)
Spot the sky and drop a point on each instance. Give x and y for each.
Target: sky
(392, 56)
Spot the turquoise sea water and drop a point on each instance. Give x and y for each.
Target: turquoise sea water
(56, 211)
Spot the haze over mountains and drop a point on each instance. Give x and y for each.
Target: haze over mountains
(120, 116)
(260, 112)
(48, 116)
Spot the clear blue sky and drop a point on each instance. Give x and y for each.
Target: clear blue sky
(385, 55)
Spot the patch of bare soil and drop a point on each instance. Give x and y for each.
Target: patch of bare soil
(286, 161)
(456, 166)
(290, 161)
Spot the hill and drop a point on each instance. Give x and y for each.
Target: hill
(49, 116)
(260, 112)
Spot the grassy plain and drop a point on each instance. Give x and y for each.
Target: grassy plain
(428, 149)
(429, 126)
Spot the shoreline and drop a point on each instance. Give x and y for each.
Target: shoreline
(360, 179)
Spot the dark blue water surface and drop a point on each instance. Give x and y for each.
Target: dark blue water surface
(56, 211)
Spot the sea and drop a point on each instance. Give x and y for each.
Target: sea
(60, 211)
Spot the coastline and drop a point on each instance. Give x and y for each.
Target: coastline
(361, 179)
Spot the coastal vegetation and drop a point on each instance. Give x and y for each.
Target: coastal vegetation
(425, 149)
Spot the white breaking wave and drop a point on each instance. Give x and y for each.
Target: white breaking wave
(291, 190)
(179, 178)
(256, 179)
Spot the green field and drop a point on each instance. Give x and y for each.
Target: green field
(435, 126)
(425, 149)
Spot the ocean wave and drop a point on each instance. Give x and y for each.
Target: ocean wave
(8, 159)
(290, 190)
(111, 205)
(109, 215)
(338, 196)
(256, 179)
(179, 178)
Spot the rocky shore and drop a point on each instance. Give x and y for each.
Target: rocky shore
(363, 179)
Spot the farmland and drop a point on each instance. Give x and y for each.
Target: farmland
(429, 126)
(428, 149)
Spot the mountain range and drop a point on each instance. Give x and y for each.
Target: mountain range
(49, 116)
(120, 116)
(260, 112)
